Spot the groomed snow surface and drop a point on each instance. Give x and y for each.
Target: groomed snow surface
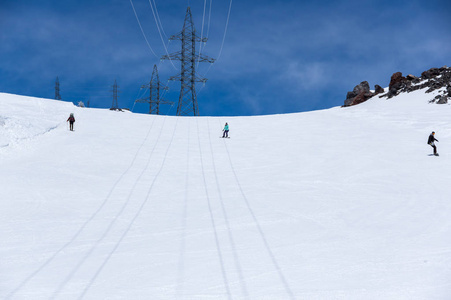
(344, 203)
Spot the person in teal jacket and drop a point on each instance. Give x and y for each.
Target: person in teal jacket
(226, 131)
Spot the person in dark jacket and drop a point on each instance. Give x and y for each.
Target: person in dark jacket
(226, 131)
(71, 121)
(431, 141)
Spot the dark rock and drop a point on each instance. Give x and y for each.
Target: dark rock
(416, 80)
(363, 87)
(359, 94)
(442, 99)
(396, 80)
(430, 73)
(392, 92)
(378, 89)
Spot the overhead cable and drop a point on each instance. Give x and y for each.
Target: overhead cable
(159, 31)
(202, 32)
(144, 35)
(209, 21)
(223, 38)
(159, 21)
(225, 30)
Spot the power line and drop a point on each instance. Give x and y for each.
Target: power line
(159, 31)
(158, 16)
(225, 30)
(223, 37)
(142, 31)
(202, 32)
(209, 21)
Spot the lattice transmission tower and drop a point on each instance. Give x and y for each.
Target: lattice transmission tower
(114, 105)
(154, 93)
(57, 89)
(187, 104)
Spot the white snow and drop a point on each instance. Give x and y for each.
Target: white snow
(344, 203)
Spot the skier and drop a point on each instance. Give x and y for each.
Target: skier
(226, 131)
(71, 121)
(431, 141)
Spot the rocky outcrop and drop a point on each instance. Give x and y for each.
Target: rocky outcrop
(433, 79)
(359, 94)
(397, 82)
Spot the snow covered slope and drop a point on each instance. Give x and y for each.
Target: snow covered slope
(344, 203)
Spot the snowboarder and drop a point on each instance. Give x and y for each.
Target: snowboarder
(431, 141)
(226, 131)
(71, 121)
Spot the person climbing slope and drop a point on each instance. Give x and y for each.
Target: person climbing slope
(71, 121)
(431, 141)
(226, 131)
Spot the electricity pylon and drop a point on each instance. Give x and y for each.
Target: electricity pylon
(57, 89)
(187, 104)
(114, 105)
(154, 93)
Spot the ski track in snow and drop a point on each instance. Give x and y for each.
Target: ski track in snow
(258, 226)
(84, 227)
(232, 242)
(184, 216)
(213, 223)
(113, 222)
(138, 212)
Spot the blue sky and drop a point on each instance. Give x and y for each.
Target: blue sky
(277, 56)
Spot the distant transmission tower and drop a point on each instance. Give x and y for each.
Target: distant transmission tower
(187, 104)
(154, 93)
(114, 105)
(57, 89)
